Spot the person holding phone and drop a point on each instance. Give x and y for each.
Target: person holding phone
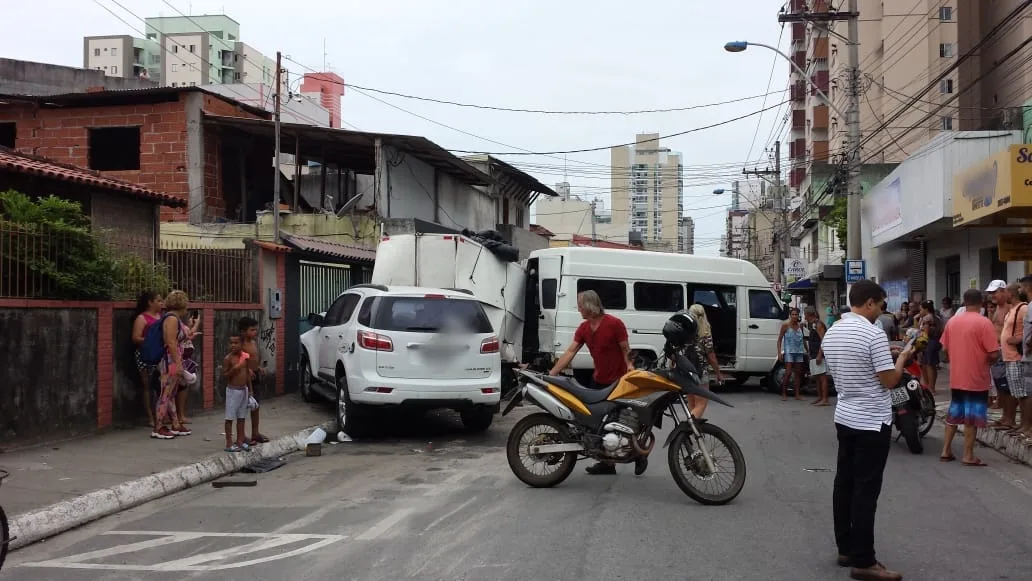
(193, 323)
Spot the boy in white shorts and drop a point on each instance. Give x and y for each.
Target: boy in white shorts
(236, 374)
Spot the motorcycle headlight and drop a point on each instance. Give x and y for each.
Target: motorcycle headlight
(913, 385)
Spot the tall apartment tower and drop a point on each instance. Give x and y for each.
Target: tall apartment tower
(327, 88)
(647, 185)
(903, 46)
(687, 240)
(181, 51)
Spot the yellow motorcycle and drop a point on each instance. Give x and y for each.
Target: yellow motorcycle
(616, 425)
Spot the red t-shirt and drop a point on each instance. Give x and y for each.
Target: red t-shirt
(969, 338)
(604, 345)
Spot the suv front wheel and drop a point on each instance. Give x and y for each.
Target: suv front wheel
(352, 419)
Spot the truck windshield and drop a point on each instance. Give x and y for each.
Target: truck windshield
(431, 315)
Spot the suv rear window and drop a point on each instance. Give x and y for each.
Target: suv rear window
(429, 315)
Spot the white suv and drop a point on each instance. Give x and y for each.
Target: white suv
(421, 348)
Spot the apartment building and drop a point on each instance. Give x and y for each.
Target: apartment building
(183, 51)
(647, 188)
(687, 237)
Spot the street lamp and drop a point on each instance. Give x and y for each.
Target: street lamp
(741, 45)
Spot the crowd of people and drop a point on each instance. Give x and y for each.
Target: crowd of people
(168, 370)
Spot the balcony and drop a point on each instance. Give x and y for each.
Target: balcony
(819, 152)
(798, 92)
(797, 148)
(796, 6)
(799, 119)
(796, 177)
(799, 58)
(820, 48)
(820, 117)
(798, 31)
(820, 80)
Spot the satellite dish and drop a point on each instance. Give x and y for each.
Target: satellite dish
(349, 204)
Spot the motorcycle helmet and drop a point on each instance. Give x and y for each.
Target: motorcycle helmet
(680, 329)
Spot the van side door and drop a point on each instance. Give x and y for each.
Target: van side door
(722, 315)
(764, 316)
(549, 276)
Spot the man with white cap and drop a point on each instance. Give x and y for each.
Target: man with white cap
(997, 291)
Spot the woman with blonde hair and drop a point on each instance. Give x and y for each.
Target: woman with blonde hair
(706, 357)
(176, 335)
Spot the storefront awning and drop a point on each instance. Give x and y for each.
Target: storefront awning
(995, 190)
(803, 284)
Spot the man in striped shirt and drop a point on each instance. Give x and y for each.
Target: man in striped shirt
(858, 356)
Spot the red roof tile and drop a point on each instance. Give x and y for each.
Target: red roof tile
(327, 248)
(21, 163)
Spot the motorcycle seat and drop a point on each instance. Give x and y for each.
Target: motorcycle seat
(584, 394)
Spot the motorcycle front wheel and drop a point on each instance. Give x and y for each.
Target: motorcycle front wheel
(927, 412)
(907, 425)
(691, 473)
(539, 470)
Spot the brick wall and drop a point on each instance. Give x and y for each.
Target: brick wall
(61, 135)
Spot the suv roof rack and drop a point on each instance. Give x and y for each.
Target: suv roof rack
(378, 287)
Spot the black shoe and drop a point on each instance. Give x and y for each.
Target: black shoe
(640, 466)
(601, 469)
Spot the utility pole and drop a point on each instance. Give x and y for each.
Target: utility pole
(276, 155)
(853, 190)
(593, 239)
(780, 232)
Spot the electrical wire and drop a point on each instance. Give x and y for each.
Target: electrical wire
(770, 79)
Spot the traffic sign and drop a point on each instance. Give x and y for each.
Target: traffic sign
(856, 271)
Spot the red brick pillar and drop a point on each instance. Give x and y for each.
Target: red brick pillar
(281, 331)
(208, 354)
(105, 366)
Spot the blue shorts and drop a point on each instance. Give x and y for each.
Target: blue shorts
(794, 357)
(968, 408)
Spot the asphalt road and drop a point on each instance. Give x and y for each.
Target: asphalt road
(429, 502)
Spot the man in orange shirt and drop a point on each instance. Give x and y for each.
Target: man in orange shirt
(972, 344)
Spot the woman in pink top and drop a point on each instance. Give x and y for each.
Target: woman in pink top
(148, 312)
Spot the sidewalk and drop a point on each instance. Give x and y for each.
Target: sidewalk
(1014, 448)
(76, 481)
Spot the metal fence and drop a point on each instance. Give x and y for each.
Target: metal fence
(52, 262)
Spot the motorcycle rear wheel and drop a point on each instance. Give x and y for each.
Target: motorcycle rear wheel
(562, 463)
(683, 449)
(907, 425)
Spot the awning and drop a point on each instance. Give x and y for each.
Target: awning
(327, 249)
(803, 284)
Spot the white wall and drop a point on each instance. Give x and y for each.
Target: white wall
(190, 67)
(970, 244)
(112, 55)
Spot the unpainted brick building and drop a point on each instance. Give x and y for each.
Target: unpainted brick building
(152, 137)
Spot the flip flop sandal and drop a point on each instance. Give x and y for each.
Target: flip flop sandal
(975, 464)
(234, 448)
(947, 458)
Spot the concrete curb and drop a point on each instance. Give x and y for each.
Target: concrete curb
(1009, 446)
(46, 522)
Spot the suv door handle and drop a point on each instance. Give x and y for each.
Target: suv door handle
(754, 326)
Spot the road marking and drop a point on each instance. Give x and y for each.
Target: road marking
(450, 514)
(200, 562)
(384, 525)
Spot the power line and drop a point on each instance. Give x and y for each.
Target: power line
(770, 79)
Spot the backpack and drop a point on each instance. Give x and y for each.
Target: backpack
(153, 347)
(1014, 327)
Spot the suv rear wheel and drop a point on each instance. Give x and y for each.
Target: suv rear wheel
(352, 419)
(477, 419)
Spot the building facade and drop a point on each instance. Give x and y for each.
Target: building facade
(327, 89)
(687, 236)
(647, 188)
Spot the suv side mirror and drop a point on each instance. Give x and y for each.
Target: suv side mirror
(316, 320)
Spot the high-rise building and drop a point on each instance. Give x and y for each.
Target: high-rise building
(686, 244)
(327, 88)
(648, 191)
(183, 51)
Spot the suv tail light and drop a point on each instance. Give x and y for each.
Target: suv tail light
(375, 342)
(434, 297)
(489, 345)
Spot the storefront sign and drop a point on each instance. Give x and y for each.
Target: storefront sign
(1001, 182)
(1014, 247)
(794, 268)
(886, 208)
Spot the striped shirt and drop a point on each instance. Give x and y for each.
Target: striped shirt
(856, 351)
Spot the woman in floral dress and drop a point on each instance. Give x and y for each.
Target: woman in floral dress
(176, 334)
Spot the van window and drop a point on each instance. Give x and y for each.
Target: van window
(549, 286)
(706, 297)
(763, 305)
(612, 292)
(655, 296)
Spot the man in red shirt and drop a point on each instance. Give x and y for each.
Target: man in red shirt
(606, 338)
(973, 345)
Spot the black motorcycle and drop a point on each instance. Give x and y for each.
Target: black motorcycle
(913, 409)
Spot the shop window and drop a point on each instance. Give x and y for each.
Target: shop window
(114, 148)
(661, 297)
(612, 292)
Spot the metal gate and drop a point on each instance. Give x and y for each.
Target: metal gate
(321, 283)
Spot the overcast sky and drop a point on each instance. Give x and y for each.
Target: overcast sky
(532, 54)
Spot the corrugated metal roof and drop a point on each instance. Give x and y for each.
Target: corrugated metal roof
(124, 96)
(331, 249)
(13, 161)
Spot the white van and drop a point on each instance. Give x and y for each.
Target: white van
(643, 289)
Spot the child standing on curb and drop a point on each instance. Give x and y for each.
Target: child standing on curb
(248, 328)
(237, 376)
